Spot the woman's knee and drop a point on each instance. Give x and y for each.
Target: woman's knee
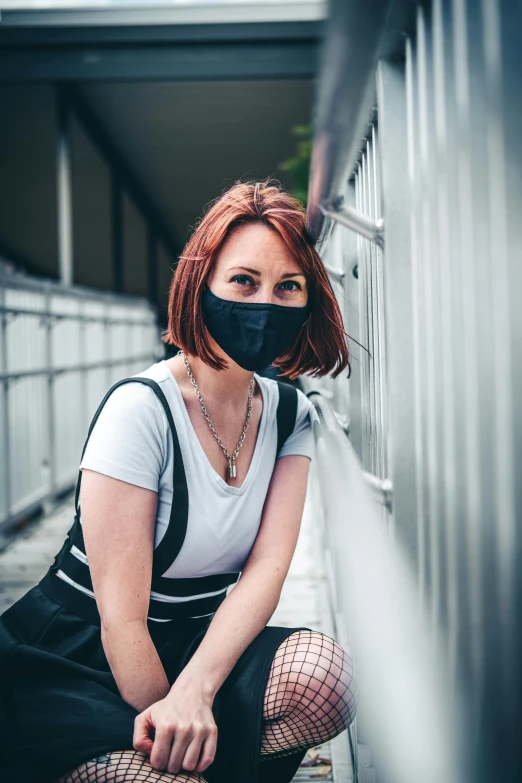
(311, 673)
(125, 766)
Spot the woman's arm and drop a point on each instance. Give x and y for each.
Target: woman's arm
(251, 603)
(118, 529)
(239, 619)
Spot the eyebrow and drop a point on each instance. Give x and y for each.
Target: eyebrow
(256, 272)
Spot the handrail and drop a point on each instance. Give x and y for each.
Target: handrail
(356, 221)
(338, 425)
(358, 35)
(399, 666)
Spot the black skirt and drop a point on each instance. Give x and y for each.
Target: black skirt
(61, 705)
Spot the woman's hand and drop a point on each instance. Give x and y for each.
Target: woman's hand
(185, 733)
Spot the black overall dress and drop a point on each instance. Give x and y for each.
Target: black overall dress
(60, 703)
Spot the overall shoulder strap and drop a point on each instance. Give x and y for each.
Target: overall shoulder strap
(286, 412)
(149, 382)
(166, 551)
(172, 541)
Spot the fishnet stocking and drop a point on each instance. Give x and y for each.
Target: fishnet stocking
(124, 766)
(310, 696)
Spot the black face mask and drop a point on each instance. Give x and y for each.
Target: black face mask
(253, 334)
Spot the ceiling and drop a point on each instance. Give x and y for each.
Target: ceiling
(188, 141)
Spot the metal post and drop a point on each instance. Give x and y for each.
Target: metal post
(5, 446)
(64, 192)
(391, 96)
(117, 234)
(152, 266)
(49, 321)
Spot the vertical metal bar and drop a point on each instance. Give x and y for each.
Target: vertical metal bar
(368, 321)
(452, 344)
(6, 456)
(117, 234)
(502, 358)
(430, 284)
(504, 66)
(352, 284)
(370, 389)
(380, 312)
(107, 342)
(364, 331)
(447, 262)
(370, 250)
(470, 357)
(52, 455)
(412, 136)
(64, 191)
(152, 266)
(374, 252)
(398, 318)
(84, 397)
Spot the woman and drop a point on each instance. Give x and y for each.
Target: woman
(130, 661)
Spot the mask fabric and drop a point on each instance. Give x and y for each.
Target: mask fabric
(253, 334)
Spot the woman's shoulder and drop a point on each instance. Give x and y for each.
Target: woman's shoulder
(306, 413)
(131, 394)
(131, 402)
(300, 440)
(138, 396)
(129, 434)
(304, 405)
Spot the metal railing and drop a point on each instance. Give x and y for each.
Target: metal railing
(423, 131)
(61, 348)
(403, 684)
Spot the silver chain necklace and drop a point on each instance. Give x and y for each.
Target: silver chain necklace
(230, 457)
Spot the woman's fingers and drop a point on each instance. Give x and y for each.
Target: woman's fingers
(183, 736)
(208, 750)
(161, 750)
(193, 748)
(175, 744)
(192, 753)
(141, 738)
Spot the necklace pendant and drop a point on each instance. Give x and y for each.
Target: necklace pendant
(231, 469)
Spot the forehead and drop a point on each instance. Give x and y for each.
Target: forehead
(255, 242)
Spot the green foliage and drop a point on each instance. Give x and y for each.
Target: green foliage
(298, 167)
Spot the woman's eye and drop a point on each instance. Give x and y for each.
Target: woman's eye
(246, 280)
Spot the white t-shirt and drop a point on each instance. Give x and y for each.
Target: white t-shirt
(131, 441)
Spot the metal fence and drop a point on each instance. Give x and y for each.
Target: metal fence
(429, 139)
(61, 348)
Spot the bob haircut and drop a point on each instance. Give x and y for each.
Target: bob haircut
(320, 346)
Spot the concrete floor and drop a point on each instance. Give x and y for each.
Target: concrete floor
(304, 601)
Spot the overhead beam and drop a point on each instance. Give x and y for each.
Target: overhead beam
(174, 53)
(182, 62)
(166, 13)
(12, 34)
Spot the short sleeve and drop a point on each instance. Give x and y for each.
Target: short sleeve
(301, 440)
(128, 441)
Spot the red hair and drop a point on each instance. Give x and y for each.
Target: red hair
(320, 347)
